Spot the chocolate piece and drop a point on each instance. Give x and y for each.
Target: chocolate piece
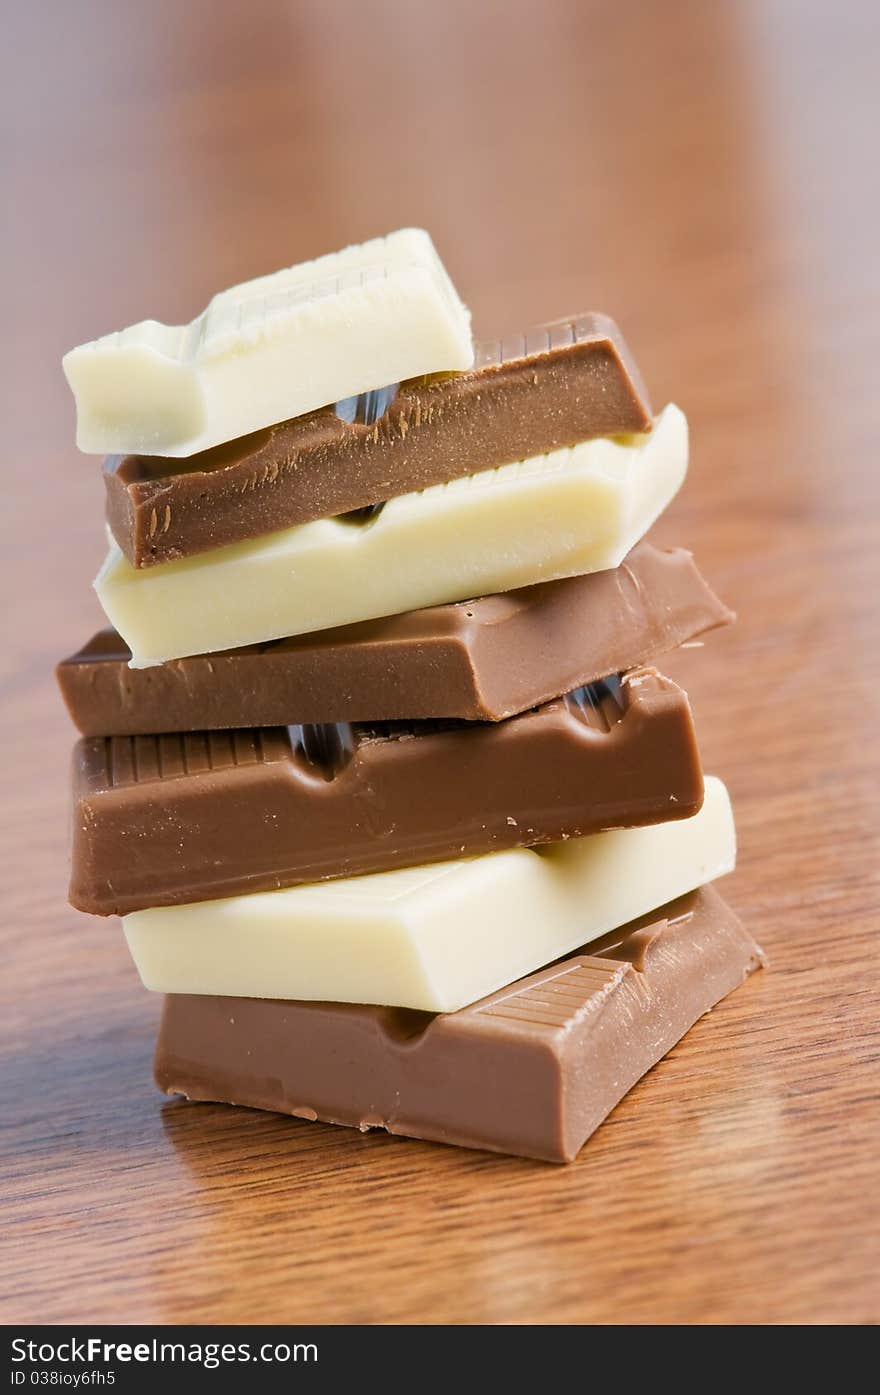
(484, 659)
(167, 820)
(532, 1069)
(556, 385)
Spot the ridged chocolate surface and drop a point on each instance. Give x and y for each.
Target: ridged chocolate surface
(533, 1069)
(163, 820)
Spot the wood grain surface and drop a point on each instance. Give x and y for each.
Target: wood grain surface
(704, 173)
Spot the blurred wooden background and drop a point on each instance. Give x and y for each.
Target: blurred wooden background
(705, 172)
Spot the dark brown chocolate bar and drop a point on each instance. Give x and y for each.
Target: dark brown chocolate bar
(532, 1069)
(552, 387)
(485, 659)
(164, 820)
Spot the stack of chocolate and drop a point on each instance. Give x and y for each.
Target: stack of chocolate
(398, 857)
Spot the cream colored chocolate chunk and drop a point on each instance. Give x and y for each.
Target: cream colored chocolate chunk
(570, 512)
(270, 349)
(434, 938)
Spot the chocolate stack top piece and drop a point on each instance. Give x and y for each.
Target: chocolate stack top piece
(556, 385)
(272, 348)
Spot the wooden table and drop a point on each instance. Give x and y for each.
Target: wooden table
(702, 171)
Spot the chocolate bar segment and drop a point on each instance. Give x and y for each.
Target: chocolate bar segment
(482, 660)
(557, 385)
(532, 1069)
(178, 818)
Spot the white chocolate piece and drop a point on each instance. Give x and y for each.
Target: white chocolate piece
(436, 937)
(576, 510)
(270, 349)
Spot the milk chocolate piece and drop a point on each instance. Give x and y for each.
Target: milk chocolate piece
(178, 818)
(532, 1069)
(484, 659)
(557, 385)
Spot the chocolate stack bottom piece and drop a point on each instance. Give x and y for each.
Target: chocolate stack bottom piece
(532, 1069)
